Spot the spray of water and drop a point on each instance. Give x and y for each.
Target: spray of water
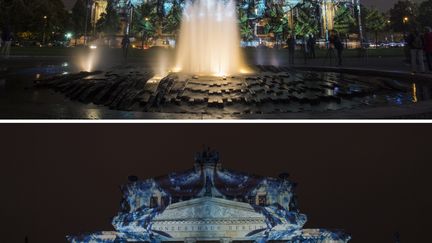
(209, 42)
(87, 61)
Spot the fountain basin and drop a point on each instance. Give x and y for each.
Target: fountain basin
(269, 90)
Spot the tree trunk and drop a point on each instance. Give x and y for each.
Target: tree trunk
(376, 39)
(142, 40)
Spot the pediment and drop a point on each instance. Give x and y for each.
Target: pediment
(209, 208)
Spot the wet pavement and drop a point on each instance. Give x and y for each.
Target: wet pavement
(19, 99)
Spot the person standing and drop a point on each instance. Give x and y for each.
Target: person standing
(416, 44)
(428, 46)
(336, 43)
(305, 49)
(7, 41)
(291, 42)
(311, 45)
(125, 46)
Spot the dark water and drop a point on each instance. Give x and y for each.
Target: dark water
(18, 98)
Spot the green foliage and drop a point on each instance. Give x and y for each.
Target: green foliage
(401, 10)
(375, 22)
(246, 30)
(78, 18)
(109, 23)
(173, 20)
(145, 21)
(425, 13)
(28, 16)
(306, 22)
(8, 16)
(277, 21)
(344, 20)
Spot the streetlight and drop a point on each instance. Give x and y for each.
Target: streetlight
(44, 31)
(68, 37)
(405, 22)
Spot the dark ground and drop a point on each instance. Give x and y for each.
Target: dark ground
(18, 99)
(369, 180)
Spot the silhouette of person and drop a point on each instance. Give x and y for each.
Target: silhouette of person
(7, 41)
(291, 42)
(428, 46)
(336, 43)
(311, 42)
(416, 45)
(125, 46)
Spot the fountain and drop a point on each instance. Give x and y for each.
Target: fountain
(209, 41)
(210, 77)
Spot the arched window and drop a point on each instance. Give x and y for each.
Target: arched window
(251, 200)
(153, 202)
(262, 200)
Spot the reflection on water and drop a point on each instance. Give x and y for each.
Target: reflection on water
(16, 89)
(93, 114)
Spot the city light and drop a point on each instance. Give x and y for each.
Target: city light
(68, 35)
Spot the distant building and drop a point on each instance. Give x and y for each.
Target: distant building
(124, 7)
(209, 203)
(98, 8)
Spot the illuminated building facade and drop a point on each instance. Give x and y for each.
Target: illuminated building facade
(209, 203)
(98, 8)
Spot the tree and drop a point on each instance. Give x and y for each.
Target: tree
(306, 23)
(277, 21)
(375, 22)
(403, 16)
(109, 22)
(425, 13)
(344, 21)
(246, 30)
(78, 18)
(38, 17)
(9, 16)
(173, 19)
(145, 22)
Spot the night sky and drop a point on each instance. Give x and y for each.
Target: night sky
(370, 180)
(381, 4)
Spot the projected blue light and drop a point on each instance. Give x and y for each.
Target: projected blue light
(208, 202)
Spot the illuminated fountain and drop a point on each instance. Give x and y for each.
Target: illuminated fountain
(206, 81)
(209, 41)
(88, 61)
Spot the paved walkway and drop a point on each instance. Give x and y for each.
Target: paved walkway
(394, 64)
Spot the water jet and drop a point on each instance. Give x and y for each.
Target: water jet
(209, 42)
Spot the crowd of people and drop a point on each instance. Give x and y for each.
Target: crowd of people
(309, 44)
(418, 44)
(419, 47)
